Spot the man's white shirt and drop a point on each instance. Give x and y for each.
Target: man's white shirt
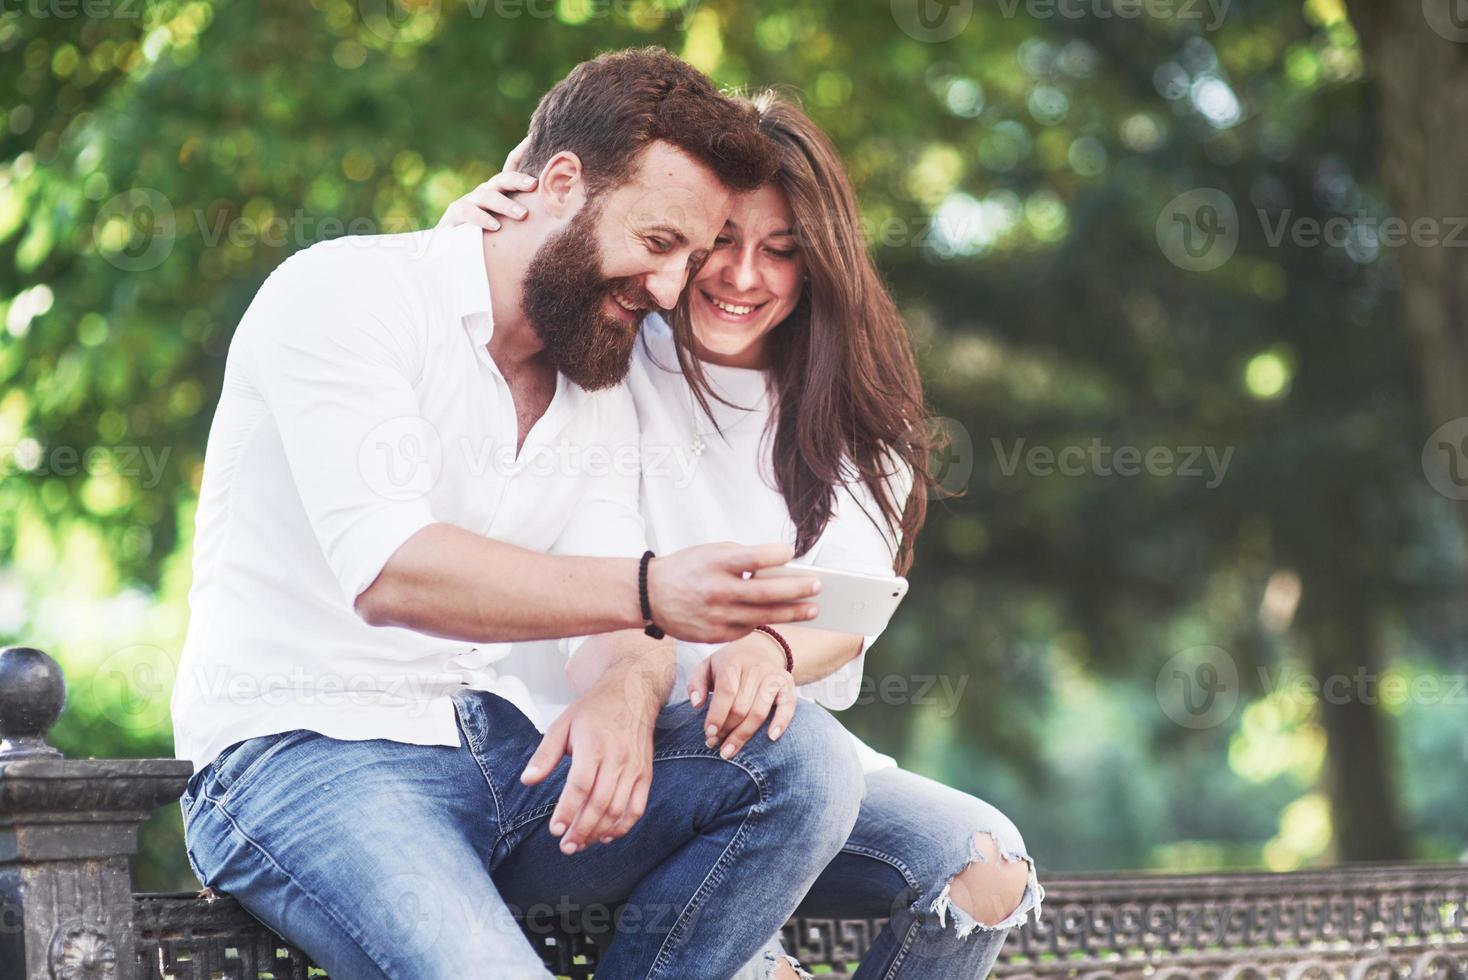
(360, 405)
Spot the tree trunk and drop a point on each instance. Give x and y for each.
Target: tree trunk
(1421, 83)
(1363, 799)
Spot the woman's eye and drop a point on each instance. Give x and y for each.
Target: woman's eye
(723, 241)
(783, 253)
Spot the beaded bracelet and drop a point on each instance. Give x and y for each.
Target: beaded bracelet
(649, 627)
(789, 657)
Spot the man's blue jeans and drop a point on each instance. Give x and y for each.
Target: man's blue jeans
(384, 859)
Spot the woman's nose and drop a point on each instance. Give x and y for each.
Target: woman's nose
(742, 275)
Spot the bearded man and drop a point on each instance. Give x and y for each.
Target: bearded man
(376, 528)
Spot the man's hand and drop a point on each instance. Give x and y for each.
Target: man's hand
(701, 594)
(748, 678)
(608, 735)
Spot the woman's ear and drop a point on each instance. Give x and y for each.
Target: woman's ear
(562, 185)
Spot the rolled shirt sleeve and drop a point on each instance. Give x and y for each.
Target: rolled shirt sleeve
(334, 361)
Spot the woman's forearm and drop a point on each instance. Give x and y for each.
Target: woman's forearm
(817, 653)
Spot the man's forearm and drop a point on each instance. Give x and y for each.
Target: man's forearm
(446, 581)
(648, 666)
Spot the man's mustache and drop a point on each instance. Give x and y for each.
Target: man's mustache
(633, 293)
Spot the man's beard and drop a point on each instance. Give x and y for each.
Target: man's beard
(562, 297)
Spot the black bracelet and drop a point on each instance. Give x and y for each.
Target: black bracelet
(649, 627)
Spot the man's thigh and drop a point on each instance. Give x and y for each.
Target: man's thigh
(369, 855)
(691, 788)
(693, 797)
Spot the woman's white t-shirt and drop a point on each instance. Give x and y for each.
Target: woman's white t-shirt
(700, 486)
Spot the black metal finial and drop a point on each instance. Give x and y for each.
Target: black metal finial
(32, 694)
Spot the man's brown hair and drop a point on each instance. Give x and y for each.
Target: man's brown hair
(608, 109)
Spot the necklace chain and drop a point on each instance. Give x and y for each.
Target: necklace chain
(699, 444)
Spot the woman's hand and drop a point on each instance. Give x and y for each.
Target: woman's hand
(486, 204)
(747, 678)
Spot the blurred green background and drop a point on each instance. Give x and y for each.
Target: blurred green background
(1186, 281)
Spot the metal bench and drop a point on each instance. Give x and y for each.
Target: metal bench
(68, 828)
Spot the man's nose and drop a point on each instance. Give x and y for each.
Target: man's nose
(666, 284)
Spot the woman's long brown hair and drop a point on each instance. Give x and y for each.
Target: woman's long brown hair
(849, 400)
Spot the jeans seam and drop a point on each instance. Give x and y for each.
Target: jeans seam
(476, 748)
(310, 896)
(524, 820)
(903, 949)
(885, 858)
(716, 872)
(910, 936)
(249, 770)
(189, 854)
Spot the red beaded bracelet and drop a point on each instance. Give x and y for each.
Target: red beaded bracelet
(789, 657)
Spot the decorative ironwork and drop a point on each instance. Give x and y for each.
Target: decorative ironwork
(1393, 922)
(69, 826)
(80, 952)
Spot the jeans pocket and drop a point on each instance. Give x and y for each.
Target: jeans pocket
(191, 797)
(232, 769)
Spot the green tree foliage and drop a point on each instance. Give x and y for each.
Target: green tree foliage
(1020, 164)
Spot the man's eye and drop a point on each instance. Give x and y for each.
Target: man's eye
(658, 245)
(723, 240)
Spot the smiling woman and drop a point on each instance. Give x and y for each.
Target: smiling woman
(750, 282)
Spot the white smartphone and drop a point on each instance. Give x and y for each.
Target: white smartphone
(849, 602)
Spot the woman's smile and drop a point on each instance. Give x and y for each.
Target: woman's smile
(731, 310)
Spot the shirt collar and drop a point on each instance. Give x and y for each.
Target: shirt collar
(465, 245)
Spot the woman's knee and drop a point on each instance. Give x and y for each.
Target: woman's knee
(990, 890)
(971, 866)
(813, 765)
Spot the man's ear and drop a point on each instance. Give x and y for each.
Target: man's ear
(562, 185)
